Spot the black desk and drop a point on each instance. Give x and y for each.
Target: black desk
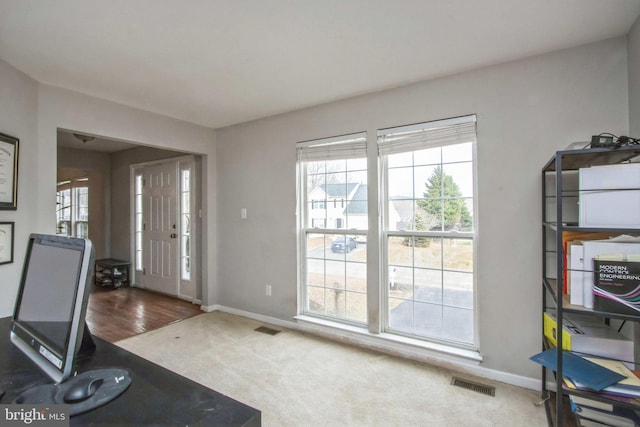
(156, 395)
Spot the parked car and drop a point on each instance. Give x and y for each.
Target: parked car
(360, 238)
(343, 244)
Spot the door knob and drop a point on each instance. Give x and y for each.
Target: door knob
(173, 235)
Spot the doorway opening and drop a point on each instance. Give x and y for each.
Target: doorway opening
(105, 167)
(165, 224)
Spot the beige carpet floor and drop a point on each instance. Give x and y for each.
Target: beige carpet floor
(297, 379)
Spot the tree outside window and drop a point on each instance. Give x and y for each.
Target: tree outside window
(443, 201)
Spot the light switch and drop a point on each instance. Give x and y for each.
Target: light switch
(243, 213)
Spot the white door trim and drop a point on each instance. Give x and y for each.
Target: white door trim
(178, 162)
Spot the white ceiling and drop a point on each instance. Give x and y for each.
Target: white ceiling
(66, 139)
(222, 62)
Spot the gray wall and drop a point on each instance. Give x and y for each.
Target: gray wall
(526, 110)
(633, 50)
(18, 118)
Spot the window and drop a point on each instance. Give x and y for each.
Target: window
(139, 224)
(427, 233)
(426, 242)
(428, 230)
(72, 210)
(334, 274)
(185, 224)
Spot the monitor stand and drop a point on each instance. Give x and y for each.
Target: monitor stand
(104, 385)
(111, 383)
(87, 346)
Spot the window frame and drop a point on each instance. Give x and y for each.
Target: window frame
(305, 225)
(386, 233)
(377, 276)
(73, 186)
(182, 163)
(138, 220)
(186, 210)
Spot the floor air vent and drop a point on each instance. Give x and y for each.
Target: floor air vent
(266, 330)
(477, 387)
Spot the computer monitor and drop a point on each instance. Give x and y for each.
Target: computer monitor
(49, 316)
(49, 325)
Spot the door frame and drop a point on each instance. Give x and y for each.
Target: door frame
(181, 162)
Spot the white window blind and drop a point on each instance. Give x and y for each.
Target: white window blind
(350, 146)
(424, 135)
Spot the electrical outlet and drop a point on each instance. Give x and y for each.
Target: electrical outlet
(268, 290)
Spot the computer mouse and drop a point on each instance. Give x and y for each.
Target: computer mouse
(82, 389)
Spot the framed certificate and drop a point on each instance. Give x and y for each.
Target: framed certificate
(8, 172)
(6, 242)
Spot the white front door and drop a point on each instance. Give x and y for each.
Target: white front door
(160, 233)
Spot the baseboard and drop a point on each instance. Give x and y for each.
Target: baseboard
(209, 308)
(457, 364)
(259, 317)
(180, 297)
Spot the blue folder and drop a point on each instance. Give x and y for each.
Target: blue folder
(579, 369)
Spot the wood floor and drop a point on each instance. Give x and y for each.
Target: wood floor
(117, 314)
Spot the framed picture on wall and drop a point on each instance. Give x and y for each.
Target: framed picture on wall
(8, 172)
(6, 242)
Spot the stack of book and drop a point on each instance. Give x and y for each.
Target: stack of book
(614, 386)
(580, 275)
(594, 413)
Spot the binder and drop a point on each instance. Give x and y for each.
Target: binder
(579, 369)
(618, 417)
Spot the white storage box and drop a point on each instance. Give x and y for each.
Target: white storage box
(609, 196)
(586, 334)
